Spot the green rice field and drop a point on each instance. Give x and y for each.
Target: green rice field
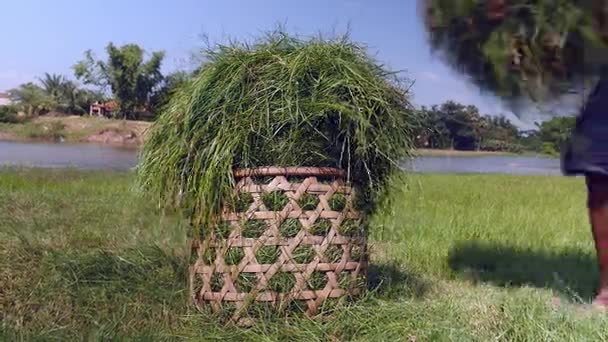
(84, 256)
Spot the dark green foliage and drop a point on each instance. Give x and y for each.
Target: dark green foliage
(8, 114)
(317, 280)
(290, 228)
(281, 101)
(234, 255)
(308, 201)
(337, 202)
(321, 227)
(555, 133)
(254, 228)
(267, 254)
(282, 282)
(452, 125)
(303, 254)
(275, 201)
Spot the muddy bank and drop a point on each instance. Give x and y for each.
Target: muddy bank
(54, 128)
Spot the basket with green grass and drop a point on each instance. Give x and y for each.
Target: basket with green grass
(272, 147)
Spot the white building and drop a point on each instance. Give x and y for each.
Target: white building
(5, 99)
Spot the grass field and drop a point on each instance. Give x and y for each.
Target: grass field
(83, 256)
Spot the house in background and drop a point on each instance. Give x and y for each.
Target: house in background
(103, 109)
(5, 99)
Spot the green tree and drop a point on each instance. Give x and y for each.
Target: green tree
(55, 86)
(555, 132)
(132, 80)
(66, 95)
(463, 123)
(32, 99)
(462, 127)
(8, 114)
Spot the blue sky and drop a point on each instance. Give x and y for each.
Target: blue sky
(50, 36)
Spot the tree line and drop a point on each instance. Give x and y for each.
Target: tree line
(452, 125)
(125, 76)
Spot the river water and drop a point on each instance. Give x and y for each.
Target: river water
(81, 156)
(99, 157)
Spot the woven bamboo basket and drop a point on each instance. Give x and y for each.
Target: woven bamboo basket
(293, 237)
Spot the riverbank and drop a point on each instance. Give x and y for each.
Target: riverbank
(75, 129)
(456, 153)
(84, 256)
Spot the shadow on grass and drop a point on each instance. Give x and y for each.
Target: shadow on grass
(389, 281)
(571, 273)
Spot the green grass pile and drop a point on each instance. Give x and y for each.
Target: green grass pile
(333, 253)
(321, 227)
(245, 282)
(275, 201)
(282, 282)
(254, 228)
(303, 254)
(267, 254)
(242, 202)
(209, 255)
(308, 201)
(234, 255)
(337, 202)
(222, 230)
(279, 101)
(317, 280)
(350, 227)
(290, 228)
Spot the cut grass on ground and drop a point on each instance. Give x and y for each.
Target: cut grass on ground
(478, 257)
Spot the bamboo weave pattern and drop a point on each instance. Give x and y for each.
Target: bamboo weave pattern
(296, 238)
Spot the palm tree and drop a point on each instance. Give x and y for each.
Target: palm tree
(32, 99)
(53, 84)
(518, 47)
(66, 94)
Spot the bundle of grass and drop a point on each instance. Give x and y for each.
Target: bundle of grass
(281, 101)
(323, 108)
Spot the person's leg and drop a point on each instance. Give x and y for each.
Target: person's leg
(598, 212)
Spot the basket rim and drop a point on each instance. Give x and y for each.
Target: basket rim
(289, 171)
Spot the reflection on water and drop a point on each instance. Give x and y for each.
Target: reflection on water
(90, 156)
(486, 164)
(82, 156)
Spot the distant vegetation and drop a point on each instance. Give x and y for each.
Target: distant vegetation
(137, 86)
(456, 126)
(140, 90)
